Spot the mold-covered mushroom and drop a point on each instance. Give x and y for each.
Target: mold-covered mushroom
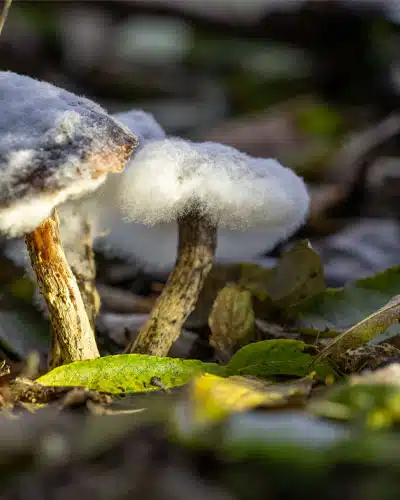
(154, 248)
(54, 146)
(203, 186)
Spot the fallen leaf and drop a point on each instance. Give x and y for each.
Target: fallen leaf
(277, 357)
(128, 373)
(231, 320)
(366, 357)
(331, 312)
(298, 275)
(214, 398)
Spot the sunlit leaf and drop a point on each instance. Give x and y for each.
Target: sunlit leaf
(128, 373)
(213, 397)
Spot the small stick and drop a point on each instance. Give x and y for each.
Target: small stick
(4, 13)
(73, 337)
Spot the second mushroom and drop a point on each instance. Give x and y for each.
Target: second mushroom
(204, 186)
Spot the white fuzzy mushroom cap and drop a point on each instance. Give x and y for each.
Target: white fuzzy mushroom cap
(54, 146)
(170, 178)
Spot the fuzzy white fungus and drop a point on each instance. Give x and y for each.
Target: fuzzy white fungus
(51, 147)
(170, 178)
(24, 216)
(110, 231)
(154, 247)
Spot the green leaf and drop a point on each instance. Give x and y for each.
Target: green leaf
(254, 278)
(128, 373)
(232, 321)
(141, 373)
(335, 310)
(298, 275)
(365, 330)
(219, 276)
(277, 357)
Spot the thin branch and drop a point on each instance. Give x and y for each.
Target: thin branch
(4, 13)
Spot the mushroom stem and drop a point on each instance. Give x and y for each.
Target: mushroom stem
(196, 250)
(72, 336)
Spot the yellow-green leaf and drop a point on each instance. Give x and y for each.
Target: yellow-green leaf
(128, 373)
(213, 397)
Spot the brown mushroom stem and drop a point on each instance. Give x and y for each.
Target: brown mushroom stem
(72, 336)
(196, 250)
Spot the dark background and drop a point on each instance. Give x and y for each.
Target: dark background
(293, 79)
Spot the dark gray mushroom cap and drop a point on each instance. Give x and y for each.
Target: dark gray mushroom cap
(54, 146)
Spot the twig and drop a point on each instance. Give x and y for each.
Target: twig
(4, 13)
(351, 166)
(362, 149)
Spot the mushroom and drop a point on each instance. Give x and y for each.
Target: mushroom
(203, 186)
(54, 146)
(97, 217)
(154, 247)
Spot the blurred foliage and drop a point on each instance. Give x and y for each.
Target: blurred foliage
(337, 309)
